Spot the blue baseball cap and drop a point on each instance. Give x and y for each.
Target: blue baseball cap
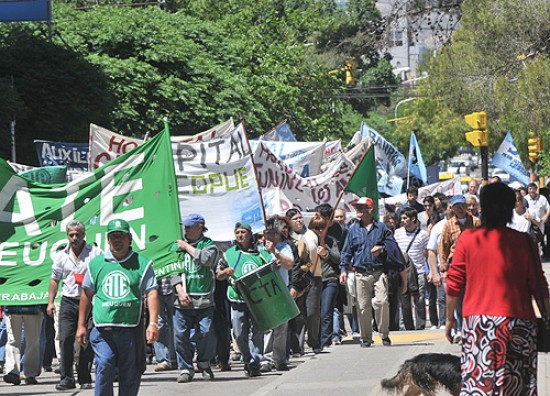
(193, 218)
(458, 199)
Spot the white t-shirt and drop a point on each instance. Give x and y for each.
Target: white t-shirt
(519, 223)
(417, 251)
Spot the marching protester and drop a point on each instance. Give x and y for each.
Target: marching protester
(194, 302)
(452, 229)
(309, 303)
(70, 265)
(275, 341)
(244, 256)
(116, 281)
(329, 256)
(413, 240)
(364, 253)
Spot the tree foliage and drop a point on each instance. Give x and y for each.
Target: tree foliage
(202, 62)
(497, 62)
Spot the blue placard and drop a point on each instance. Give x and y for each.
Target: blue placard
(19, 11)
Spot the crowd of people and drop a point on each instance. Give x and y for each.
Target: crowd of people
(407, 271)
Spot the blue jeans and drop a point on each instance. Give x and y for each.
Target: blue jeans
(328, 302)
(165, 351)
(337, 324)
(115, 349)
(243, 323)
(3, 340)
(185, 338)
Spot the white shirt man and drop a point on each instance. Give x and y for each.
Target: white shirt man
(414, 241)
(539, 209)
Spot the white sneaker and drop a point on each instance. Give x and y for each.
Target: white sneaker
(442, 327)
(433, 328)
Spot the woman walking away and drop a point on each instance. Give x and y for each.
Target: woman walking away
(499, 354)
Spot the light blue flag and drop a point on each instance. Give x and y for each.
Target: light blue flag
(507, 158)
(391, 165)
(416, 163)
(281, 133)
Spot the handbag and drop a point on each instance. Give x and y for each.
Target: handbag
(412, 273)
(543, 323)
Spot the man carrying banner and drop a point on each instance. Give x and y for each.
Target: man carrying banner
(243, 257)
(194, 300)
(69, 266)
(116, 281)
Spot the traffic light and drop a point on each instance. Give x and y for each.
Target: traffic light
(534, 144)
(479, 137)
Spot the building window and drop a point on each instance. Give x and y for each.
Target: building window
(397, 39)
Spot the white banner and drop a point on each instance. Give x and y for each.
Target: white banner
(304, 158)
(302, 193)
(447, 187)
(217, 180)
(106, 145)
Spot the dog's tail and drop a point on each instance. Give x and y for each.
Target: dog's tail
(397, 382)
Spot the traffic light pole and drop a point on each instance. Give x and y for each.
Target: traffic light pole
(484, 164)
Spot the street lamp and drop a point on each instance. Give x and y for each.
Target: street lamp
(399, 104)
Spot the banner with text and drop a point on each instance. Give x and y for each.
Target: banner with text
(304, 158)
(303, 193)
(106, 145)
(73, 155)
(139, 187)
(216, 179)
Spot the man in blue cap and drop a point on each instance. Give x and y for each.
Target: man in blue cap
(460, 221)
(116, 281)
(194, 306)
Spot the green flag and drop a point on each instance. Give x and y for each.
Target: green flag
(139, 187)
(47, 174)
(364, 182)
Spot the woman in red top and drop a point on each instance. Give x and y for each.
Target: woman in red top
(494, 266)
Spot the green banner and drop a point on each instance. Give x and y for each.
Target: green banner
(139, 186)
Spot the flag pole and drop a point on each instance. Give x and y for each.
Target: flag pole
(340, 196)
(254, 167)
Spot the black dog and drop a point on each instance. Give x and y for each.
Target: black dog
(424, 373)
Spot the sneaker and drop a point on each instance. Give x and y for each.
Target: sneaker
(282, 367)
(265, 367)
(336, 342)
(457, 338)
(434, 327)
(207, 373)
(65, 383)
(11, 378)
(163, 367)
(317, 350)
(185, 377)
(225, 367)
(87, 386)
(252, 372)
(386, 341)
(442, 327)
(235, 356)
(31, 381)
(365, 344)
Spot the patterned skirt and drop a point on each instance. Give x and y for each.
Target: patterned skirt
(499, 356)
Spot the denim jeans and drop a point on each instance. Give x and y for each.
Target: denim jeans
(185, 338)
(243, 324)
(165, 351)
(3, 340)
(328, 302)
(115, 351)
(337, 324)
